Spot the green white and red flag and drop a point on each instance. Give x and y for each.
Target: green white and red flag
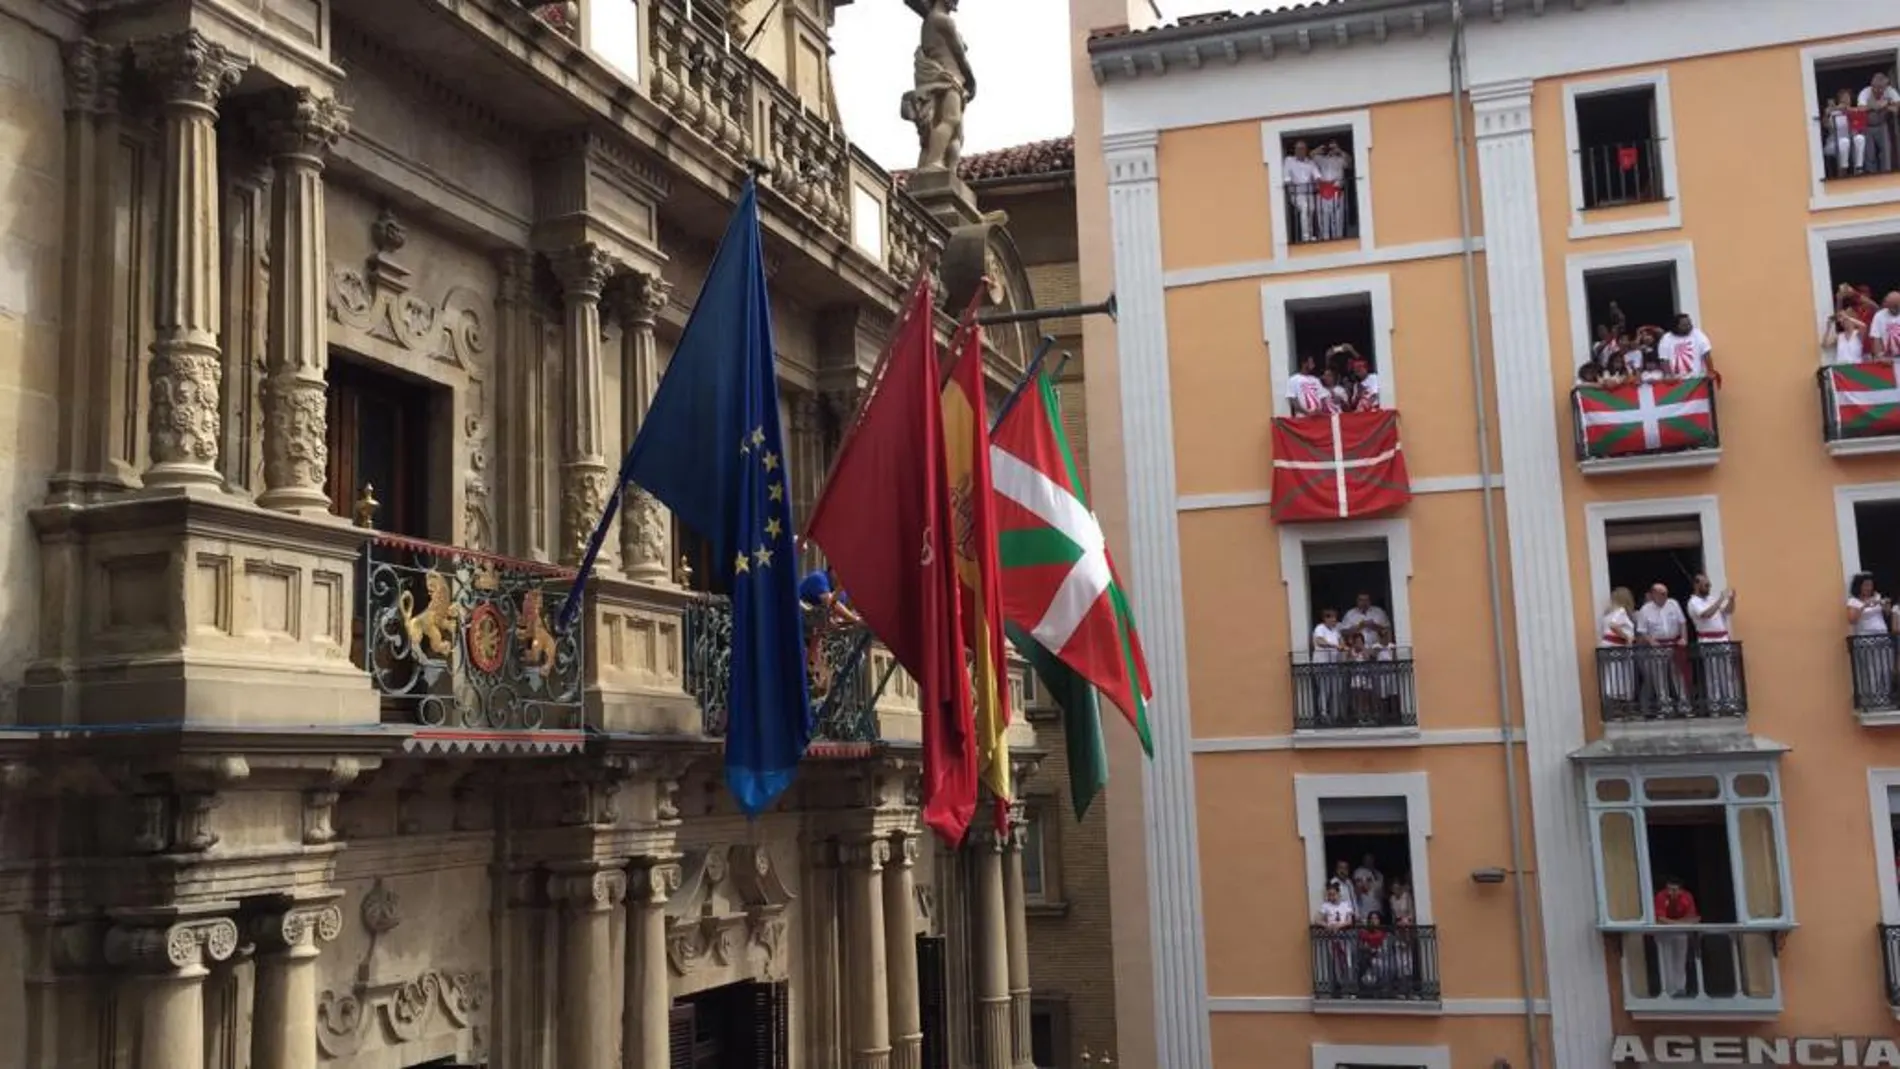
(1866, 399)
(1341, 466)
(1059, 582)
(1646, 417)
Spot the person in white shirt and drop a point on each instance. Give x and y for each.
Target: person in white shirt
(1365, 616)
(1365, 381)
(1882, 102)
(1306, 394)
(1843, 339)
(1332, 164)
(1328, 696)
(1661, 625)
(1871, 642)
(1300, 175)
(1885, 330)
(1337, 916)
(1844, 134)
(1686, 351)
(1715, 654)
(1616, 673)
(1371, 881)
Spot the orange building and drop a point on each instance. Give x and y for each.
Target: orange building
(1593, 831)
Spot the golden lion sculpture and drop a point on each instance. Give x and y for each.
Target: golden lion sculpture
(432, 631)
(537, 642)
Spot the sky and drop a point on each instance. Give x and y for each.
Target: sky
(1018, 48)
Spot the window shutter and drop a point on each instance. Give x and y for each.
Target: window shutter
(932, 1001)
(771, 1031)
(679, 1031)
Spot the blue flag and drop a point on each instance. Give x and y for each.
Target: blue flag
(711, 449)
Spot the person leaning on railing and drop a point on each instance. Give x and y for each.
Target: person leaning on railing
(832, 610)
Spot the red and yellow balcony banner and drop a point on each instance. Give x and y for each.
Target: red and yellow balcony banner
(1865, 398)
(1646, 417)
(1343, 466)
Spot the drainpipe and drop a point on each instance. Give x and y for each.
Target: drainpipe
(1487, 486)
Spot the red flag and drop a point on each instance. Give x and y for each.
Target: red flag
(886, 526)
(1342, 466)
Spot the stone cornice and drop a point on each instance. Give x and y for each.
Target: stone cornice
(197, 514)
(1196, 42)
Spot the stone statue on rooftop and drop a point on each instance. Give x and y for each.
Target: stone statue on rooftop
(943, 86)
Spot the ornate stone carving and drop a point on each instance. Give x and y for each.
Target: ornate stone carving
(601, 889)
(872, 854)
(295, 431)
(92, 77)
(194, 833)
(381, 909)
(297, 928)
(182, 417)
(646, 523)
(646, 297)
(188, 69)
(943, 83)
(583, 270)
(405, 1008)
(478, 524)
(584, 489)
(449, 331)
(319, 810)
(652, 881)
(301, 122)
(183, 946)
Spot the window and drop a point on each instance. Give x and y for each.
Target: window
(867, 222)
(1306, 212)
(1644, 552)
(736, 1025)
(1648, 285)
(1867, 519)
(379, 437)
(1702, 842)
(1619, 148)
(1307, 318)
(1035, 859)
(1048, 1032)
(1861, 257)
(1334, 1056)
(1853, 141)
(1318, 174)
(1366, 835)
(1358, 571)
(1346, 817)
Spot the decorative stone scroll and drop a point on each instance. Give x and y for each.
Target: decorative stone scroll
(731, 914)
(181, 947)
(299, 928)
(404, 1009)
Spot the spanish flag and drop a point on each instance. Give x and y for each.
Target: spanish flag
(966, 437)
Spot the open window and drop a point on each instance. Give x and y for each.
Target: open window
(1042, 883)
(1854, 140)
(1870, 266)
(1370, 838)
(1691, 865)
(1632, 297)
(1371, 936)
(1673, 667)
(1874, 555)
(1317, 327)
(1319, 177)
(1619, 146)
(1644, 552)
(1351, 665)
(379, 438)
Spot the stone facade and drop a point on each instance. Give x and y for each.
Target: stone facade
(1072, 960)
(322, 328)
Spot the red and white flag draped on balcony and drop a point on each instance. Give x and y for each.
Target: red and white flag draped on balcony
(1346, 465)
(1865, 398)
(1647, 417)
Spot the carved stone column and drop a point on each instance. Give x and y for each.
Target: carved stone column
(585, 479)
(900, 949)
(299, 127)
(996, 1037)
(649, 994)
(646, 533)
(171, 961)
(190, 74)
(521, 417)
(284, 1025)
(868, 982)
(1016, 930)
(584, 1034)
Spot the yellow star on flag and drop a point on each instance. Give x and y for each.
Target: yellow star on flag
(740, 564)
(764, 556)
(771, 460)
(758, 436)
(773, 527)
(776, 492)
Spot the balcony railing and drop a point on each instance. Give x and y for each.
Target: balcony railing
(1859, 401)
(1344, 695)
(1704, 681)
(844, 694)
(1624, 172)
(1644, 419)
(1396, 964)
(1890, 961)
(1707, 968)
(1847, 152)
(1322, 211)
(455, 638)
(1871, 660)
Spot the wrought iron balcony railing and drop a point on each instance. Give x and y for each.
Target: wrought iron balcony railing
(1871, 660)
(455, 638)
(1890, 961)
(1322, 211)
(1644, 419)
(1704, 681)
(1708, 968)
(1859, 402)
(1623, 172)
(1358, 963)
(844, 690)
(1343, 695)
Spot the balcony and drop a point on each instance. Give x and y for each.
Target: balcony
(1359, 965)
(1319, 212)
(846, 687)
(458, 639)
(1622, 173)
(1860, 408)
(1890, 962)
(1871, 663)
(1645, 426)
(1670, 684)
(1701, 970)
(1354, 697)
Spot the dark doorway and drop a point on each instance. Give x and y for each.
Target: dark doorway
(737, 1026)
(1338, 572)
(1877, 528)
(1355, 827)
(1646, 295)
(1619, 150)
(1315, 326)
(1874, 263)
(379, 437)
(933, 983)
(1645, 552)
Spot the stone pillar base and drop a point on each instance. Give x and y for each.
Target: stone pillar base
(908, 1052)
(872, 1059)
(993, 1026)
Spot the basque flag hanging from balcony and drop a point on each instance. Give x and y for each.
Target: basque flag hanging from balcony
(1343, 466)
(1866, 399)
(1647, 417)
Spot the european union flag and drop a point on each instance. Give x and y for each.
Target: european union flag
(711, 450)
